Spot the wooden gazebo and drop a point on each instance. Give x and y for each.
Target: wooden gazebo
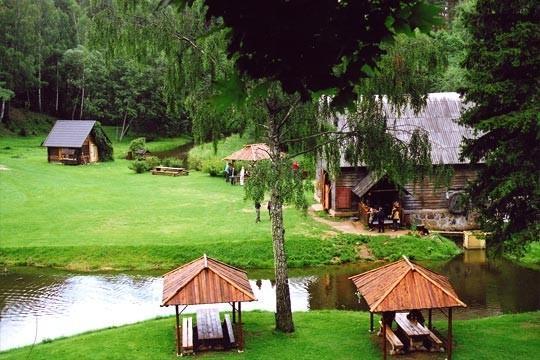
(207, 281)
(405, 286)
(250, 152)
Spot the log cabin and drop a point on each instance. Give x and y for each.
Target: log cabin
(72, 142)
(437, 207)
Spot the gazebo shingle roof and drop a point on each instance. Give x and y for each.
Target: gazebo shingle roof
(403, 285)
(206, 281)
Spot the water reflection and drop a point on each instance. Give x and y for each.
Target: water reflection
(36, 304)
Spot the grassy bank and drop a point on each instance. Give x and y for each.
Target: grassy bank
(319, 335)
(103, 216)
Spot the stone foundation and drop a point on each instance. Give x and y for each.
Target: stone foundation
(441, 219)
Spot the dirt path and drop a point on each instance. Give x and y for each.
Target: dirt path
(351, 227)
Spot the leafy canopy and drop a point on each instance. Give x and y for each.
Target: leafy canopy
(503, 63)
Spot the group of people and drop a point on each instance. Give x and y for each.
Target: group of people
(230, 174)
(378, 214)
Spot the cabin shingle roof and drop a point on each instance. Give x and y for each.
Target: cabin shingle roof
(69, 133)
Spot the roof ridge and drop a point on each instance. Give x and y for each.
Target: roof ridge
(421, 272)
(230, 281)
(189, 279)
(372, 270)
(392, 287)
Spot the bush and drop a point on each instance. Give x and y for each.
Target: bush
(151, 162)
(195, 162)
(137, 147)
(139, 166)
(172, 162)
(214, 167)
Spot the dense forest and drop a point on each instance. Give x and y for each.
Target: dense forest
(57, 57)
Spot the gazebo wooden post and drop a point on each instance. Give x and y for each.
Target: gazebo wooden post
(384, 337)
(178, 350)
(240, 330)
(234, 312)
(429, 325)
(449, 346)
(370, 322)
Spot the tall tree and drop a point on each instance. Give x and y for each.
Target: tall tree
(503, 63)
(313, 47)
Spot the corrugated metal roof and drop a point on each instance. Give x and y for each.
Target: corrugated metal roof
(439, 118)
(69, 133)
(205, 281)
(403, 285)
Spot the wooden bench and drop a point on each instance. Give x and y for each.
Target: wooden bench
(230, 330)
(171, 171)
(437, 343)
(395, 344)
(187, 335)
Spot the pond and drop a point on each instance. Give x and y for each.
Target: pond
(40, 304)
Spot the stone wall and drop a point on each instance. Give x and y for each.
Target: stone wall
(441, 219)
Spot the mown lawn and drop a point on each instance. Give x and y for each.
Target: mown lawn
(104, 215)
(319, 335)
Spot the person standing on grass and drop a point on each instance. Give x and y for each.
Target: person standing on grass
(258, 211)
(380, 219)
(242, 174)
(226, 172)
(395, 216)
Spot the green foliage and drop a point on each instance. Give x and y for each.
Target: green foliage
(137, 147)
(172, 162)
(151, 162)
(103, 143)
(214, 167)
(139, 166)
(200, 153)
(502, 62)
(432, 247)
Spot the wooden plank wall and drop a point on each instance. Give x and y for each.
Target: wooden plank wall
(426, 195)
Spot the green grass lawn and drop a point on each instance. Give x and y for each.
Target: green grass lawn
(319, 335)
(104, 216)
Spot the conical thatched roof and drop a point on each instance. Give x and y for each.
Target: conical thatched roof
(205, 281)
(403, 285)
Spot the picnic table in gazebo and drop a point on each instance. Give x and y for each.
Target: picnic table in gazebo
(397, 291)
(207, 281)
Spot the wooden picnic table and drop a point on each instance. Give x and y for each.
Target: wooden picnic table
(209, 325)
(416, 332)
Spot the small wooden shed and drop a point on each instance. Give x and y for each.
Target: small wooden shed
(207, 281)
(71, 142)
(405, 286)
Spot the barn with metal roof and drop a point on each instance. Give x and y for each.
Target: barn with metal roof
(422, 203)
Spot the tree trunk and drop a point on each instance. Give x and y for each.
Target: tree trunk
(284, 320)
(57, 90)
(2, 110)
(82, 100)
(39, 87)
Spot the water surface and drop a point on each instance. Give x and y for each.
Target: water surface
(39, 304)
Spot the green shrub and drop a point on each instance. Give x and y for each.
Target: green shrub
(139, 166)
(214, 166)
(172, 162)
(151, 162)
(195, 162)
(137, 147)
